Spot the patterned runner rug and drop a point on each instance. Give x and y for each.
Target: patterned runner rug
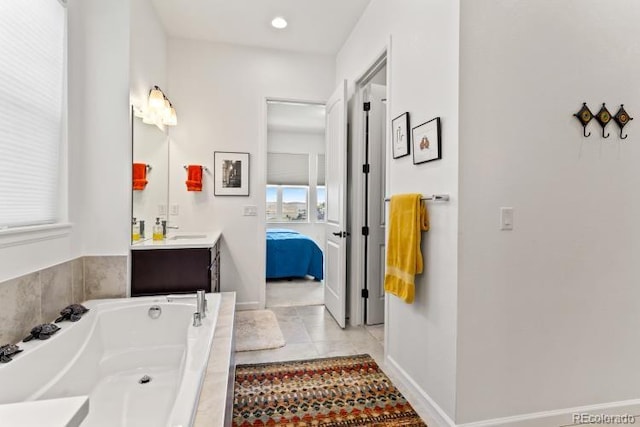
(333, 392)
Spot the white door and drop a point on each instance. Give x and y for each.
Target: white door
(375, 94)
(335, 285)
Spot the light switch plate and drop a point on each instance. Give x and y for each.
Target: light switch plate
(174, 209)
(250, 210)
(162, 210)
(506, 218)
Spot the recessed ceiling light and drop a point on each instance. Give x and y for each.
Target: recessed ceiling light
(279, 22)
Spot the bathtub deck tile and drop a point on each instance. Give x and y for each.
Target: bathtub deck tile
(56, 284)
(20, 307)
(77, 281)
(213, 403)
(105, 277)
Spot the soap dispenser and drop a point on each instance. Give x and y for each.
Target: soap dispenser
(135, 230)
(157, 230)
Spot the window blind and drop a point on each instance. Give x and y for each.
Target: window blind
(320, 169)
(287, 169)
(32, 38)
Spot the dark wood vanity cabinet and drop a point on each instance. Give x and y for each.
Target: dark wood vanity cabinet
(175, 271)
(215, 268)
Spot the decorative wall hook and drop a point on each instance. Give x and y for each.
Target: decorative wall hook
(604, 117)
(622, 118)
(584, 116)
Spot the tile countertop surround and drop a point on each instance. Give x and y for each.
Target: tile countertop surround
(179, 241)
(215, 407)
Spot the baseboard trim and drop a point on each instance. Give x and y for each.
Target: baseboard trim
(252, 305)
(555, 418)
(435, 412)
(560, 417)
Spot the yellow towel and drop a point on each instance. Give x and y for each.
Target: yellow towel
(407, 219)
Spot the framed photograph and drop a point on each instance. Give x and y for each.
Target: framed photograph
(400, 136)
(230, 174)
(426, 142)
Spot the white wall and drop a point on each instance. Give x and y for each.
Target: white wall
(220, 94)
(423, 70)
(148, 68)
(549, 312)
(102, 53)
(148, 52)
(311, 143)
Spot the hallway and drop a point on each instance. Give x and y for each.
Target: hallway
(311, 332)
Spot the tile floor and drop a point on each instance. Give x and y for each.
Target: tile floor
(311, 332)
(295, 292)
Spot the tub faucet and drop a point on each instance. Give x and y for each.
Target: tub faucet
(197, 320)
(201, 303)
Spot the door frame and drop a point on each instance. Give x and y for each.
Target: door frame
(261, 165)
(357, 252)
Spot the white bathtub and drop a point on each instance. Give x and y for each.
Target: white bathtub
(109, 350)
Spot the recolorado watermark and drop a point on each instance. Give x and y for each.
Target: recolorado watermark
(603, 419)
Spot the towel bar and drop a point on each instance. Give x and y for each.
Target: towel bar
(435, 197)
(204, 168)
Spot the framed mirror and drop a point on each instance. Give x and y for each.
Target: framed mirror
(150, 184)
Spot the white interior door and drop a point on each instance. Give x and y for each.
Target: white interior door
(335, 285)
(375, 94)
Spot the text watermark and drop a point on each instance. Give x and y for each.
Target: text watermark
(585, 418)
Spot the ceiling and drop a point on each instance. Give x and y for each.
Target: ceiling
(295, 117)
(319, 26)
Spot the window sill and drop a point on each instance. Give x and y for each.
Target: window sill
(25, 235)
(288, 222)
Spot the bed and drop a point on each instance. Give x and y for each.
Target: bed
(291, 254)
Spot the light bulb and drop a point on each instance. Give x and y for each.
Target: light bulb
(156, 99)
(279, 22)
(171, 119)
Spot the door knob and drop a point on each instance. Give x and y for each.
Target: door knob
(342, 234)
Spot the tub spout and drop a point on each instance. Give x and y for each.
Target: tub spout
(201, 303)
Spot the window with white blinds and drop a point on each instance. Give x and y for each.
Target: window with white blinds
(32, 73)
(287, 169)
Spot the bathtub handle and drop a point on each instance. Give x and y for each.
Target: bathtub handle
(197, 319)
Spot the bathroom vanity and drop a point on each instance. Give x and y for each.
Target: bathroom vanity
(181, 263)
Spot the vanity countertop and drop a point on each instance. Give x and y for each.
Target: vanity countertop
(180, 240)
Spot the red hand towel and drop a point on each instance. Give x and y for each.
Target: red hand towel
(139, 176)
(194, 178)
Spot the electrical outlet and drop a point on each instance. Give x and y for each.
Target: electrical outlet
(174, 210)
(162, 210)
(250, 210)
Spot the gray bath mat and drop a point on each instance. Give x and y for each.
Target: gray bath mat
(257, 330)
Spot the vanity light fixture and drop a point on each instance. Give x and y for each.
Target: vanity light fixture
(172, 119)
(279, 22)
(156, 98)
(159, 109)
